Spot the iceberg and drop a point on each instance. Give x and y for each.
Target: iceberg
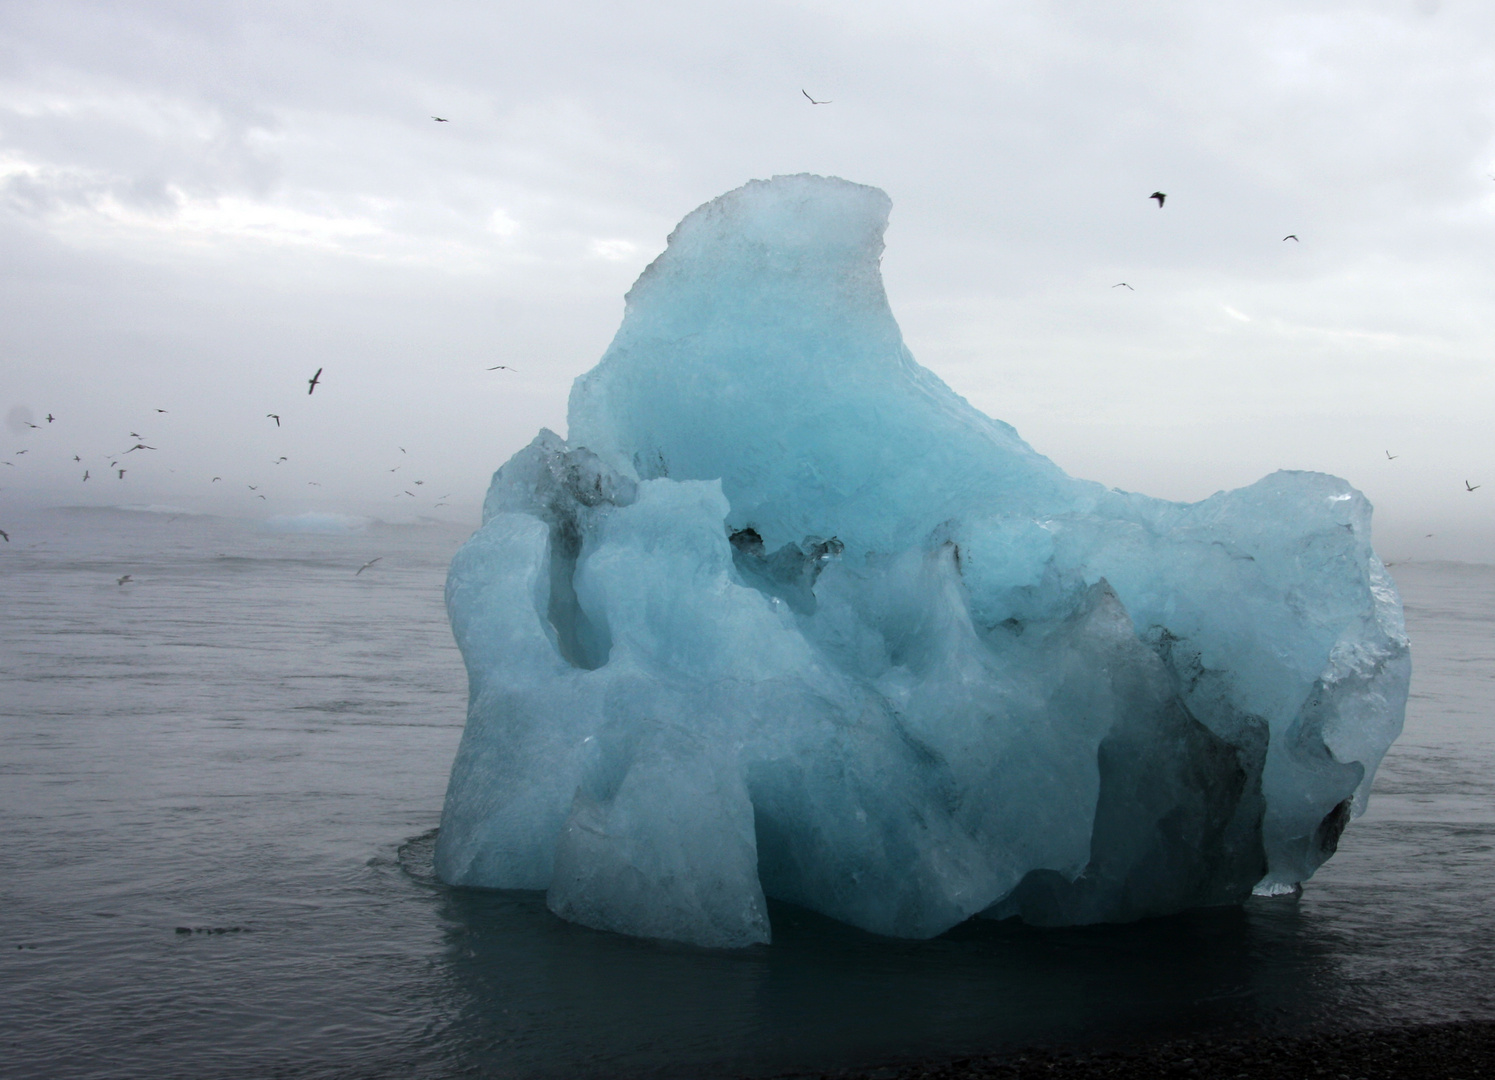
(784, 616)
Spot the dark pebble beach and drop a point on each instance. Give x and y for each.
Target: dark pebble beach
(1461, 1050)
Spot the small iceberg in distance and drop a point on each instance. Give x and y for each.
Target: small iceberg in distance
(785, 616)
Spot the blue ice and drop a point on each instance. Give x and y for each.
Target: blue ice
(786, 617)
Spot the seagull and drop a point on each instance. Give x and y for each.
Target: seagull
(274, 417)
(121, 474)
(1293, 237)
(312, 483)
(438, 506)
(311, 384)
(5, 536)
(418, 483)
(85, 476)
(402, 450)
(279, 460)
(441, 119)
(124, 579)
(136, 435)
(1390, 456)
(411, 494)
(50, 418)
(395, 469)
(215, 479)
(252, 487)
(1472, 487)
(813, 101)
(1159, 196)
(19, 452)
(1121, 285)
(138, 446)
(505, 367)
(160, 410)
(29, 424)
(259, 496)
(366, 565)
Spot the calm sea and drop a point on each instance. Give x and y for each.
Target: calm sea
(219, 784)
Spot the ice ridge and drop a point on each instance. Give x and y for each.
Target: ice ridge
(785, 616)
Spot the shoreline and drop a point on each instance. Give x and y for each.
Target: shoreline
(1454, 1050)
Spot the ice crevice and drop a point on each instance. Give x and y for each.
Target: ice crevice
(784, 616)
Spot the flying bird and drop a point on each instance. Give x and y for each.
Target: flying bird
(1293, 237)
(85, 476)
(136, 435)
(138, 446)
(160, 410)
(121, 474)
(50, 418)
(280, 459)
(273, 416)
(366, 565)
(813, 101)
(1159, 196)
(4, 536)
(252, 487)
(418, 483)
(215, 479)
(19, 452)
(1390, 456)
(311, 384)
(312, 483)
(441, 119)
(402, 450)
(29, 424)
(259, 496)
(501, 367)
(1472, 487)
(124, 579)
(1122, 285)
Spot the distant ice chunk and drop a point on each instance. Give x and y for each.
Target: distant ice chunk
(785, 616)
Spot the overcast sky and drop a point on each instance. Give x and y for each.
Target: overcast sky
(201, 204)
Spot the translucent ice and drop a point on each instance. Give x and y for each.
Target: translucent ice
(785, 616)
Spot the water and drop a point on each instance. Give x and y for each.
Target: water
(250, 743)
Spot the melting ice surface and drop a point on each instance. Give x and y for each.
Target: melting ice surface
(785, 616)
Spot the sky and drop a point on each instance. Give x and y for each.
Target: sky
(202, 204)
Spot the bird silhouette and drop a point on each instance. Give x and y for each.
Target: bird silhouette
(138, 446)
(77, 458)
(311, 383)
(160, 410)
(29, 424)
(441, 119)
(215, 479)
(4, 536)
(273, 416)
(1390, 456)
(366, 565)
(252, 487)
(85, 476)
(501, 367)
(1472, 487)
(1291, 236)
(279, 460)
(813, 101)
(1159, 196)
(1122, 285)
(121, 474)
(50, 418)
(124, 579)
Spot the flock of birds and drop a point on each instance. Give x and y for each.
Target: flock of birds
(119, 470)
(1160, 197)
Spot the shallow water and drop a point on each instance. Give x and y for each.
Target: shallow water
(248, 738)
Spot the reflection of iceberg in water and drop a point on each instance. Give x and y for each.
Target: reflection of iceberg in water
(532, 996)
(786, 616)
